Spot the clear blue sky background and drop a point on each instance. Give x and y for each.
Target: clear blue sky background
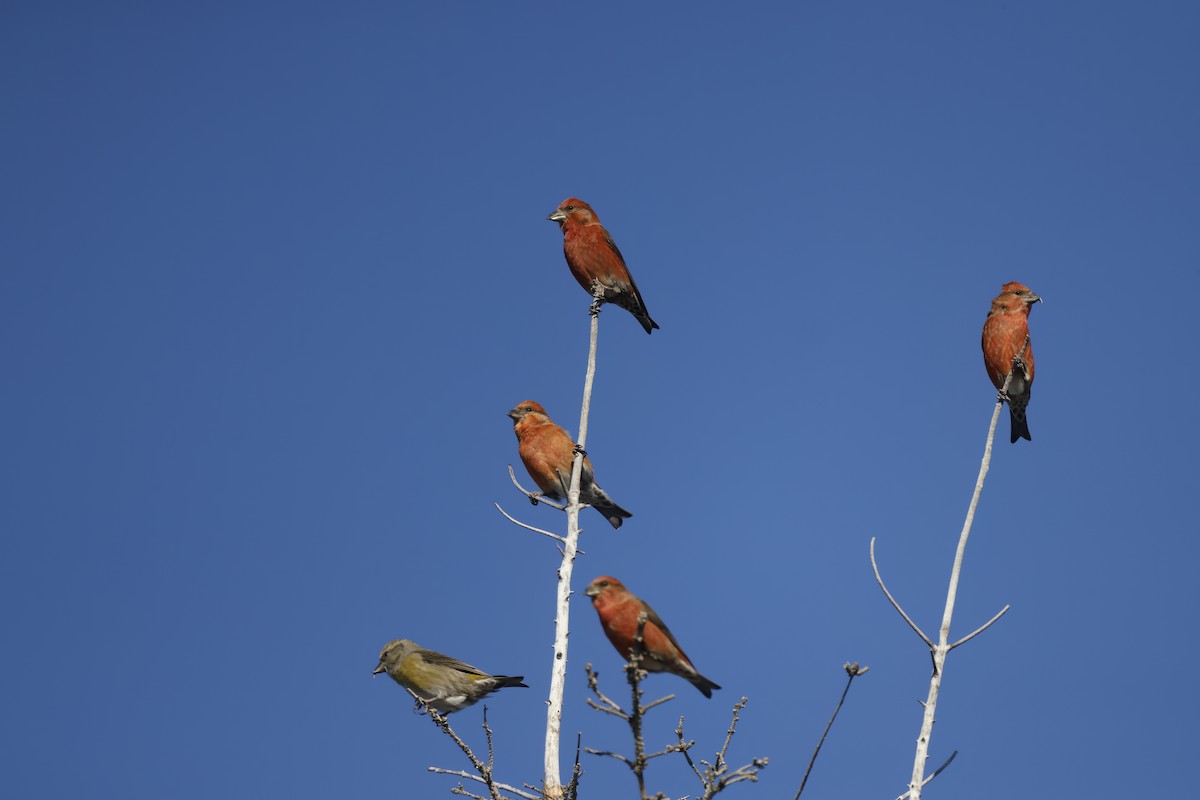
(273, 273)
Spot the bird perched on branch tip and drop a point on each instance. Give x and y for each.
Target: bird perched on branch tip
(1004, 334)
(594, 259)
(619, 609)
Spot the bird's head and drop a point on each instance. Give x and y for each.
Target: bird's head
(393, 653)
(524, 409)
(604, 583)
(1014, 298)
(573, 211)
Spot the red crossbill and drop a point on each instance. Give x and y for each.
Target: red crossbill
(1004, 334)
(547, 451)
(594, 258)
(619, 609)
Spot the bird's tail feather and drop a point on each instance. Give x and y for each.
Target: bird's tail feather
(510, 680)
(703, 684)
(612, 512)
(1020, 428)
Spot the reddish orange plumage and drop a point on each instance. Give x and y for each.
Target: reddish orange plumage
(594, 259)
(1004, 334)
(548, 451)
(619, 609)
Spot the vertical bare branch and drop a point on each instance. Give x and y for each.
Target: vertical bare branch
(634, 674)
(714, 778)
(553, 787)
(943, 646)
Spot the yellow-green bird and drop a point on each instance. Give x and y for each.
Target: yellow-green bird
(444, 683)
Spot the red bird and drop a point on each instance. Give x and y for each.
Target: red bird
(594, 258)
(548, 452)
(619, 609)
(1004, 334)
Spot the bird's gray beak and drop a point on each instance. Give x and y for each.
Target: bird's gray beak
(379, 669)
(1032, 298)
(558, 216)
(591, 591)
(513, 413)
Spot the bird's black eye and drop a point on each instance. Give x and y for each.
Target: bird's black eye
(569, 208)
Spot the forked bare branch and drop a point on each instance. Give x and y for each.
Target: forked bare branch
(484, 770)
(943, 647)
(459, 773)
(713, 777)
(936, 772)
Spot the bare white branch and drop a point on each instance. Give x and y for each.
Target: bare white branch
(942, 649)
(657, 702)
(518, 522)
(936, 772)
(534, 497)
(981, 628)
(892, 600)
(552, 785)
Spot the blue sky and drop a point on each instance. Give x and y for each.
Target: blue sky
(273, 274)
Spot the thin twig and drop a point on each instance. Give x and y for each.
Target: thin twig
(439, 719)
(502, 786)
(853, 670)
(714, 778)
(737, 712)
(518, 522)
(610, 754)
(576, 771)
(647, 706)
(717, 776)
(599, 707)
(684, 747)
(936, 772)
(670, 748)
(487, 732)
(534, 497)
(892, 600)
(981, 628)
(634, 673)
(610, 706)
